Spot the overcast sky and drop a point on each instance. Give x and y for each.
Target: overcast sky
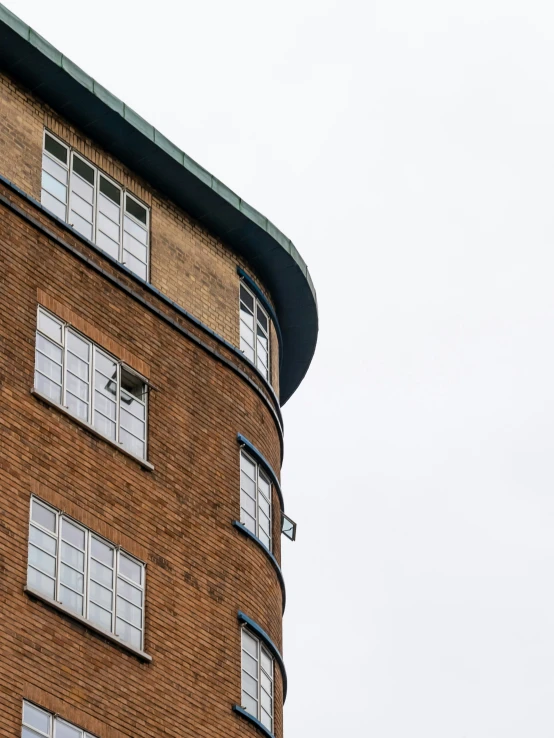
(407, 148)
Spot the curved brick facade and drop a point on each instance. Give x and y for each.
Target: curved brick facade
(177, 517)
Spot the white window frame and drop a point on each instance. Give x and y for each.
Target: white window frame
(51, 718)
(261, 671)
(94, 350)
(259, 471)
(117, 576)
(258, 308)
(125, 195)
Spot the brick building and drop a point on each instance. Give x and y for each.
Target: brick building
(152, 324)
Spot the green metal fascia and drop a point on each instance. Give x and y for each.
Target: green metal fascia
(34, 62)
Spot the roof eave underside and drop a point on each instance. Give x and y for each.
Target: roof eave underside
(105, 119)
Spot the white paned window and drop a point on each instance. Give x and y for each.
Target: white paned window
(257, 679)
(39, 723)
(254, 330)
(90, 383)
(255, 499)
(90, 576)
(101, 210)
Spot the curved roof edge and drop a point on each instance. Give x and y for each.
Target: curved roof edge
(65, 87)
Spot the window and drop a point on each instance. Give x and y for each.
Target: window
(93, 386)
(255, 499)
(91, 577)
(257, 679)
(254, 330)
(94, 205)
(39, 723)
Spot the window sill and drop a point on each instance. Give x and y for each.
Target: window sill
(145, 464)
(248, 534)
(90, 626)
(247, 716)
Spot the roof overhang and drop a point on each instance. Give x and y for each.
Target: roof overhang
(31, 60)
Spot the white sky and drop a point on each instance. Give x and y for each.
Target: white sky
(407, 149)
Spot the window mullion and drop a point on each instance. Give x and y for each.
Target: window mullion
(115, 581)
(64, 365)
(86, 573)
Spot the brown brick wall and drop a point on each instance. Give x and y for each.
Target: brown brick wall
(188, 264)
(200, 570)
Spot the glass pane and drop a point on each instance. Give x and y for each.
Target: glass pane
(42, 561)
(72, 578)
(81, 207)
(73, 556)
(72, 600)
(102, 551)
(130, 569)
(249, 664)
(130, 593)
(132, 385)
(131, 444)
(248, 485)
(266, 702)
(104, 405)
(248, 521)
(49, 348)
(64, 730)
(28, 733)
(109, 246)
(108, 227)
(83, 169)
(73, 534)
(266, 684)
(36, 718)
(104, 426)
(136, 210)
(265, 539)
(105, 364)
(101, 617)
(262, 318)
(44, 516)
(79, 347)
(54, 169)
(129, 612)
(249, 644)
(55, 148)
(247, 466)
(76, 386)
(101, 573)
(50, 327)
(80, 225)
(132, 424)
(110, 190)
(136, 248)
(136, 266)
(129, 634)
(49, 368)
(40, 582)
(77, 407)
(267, 720)
(266, 662)
(53, 205)
(42, 540)
(48, 388)
(55, 188)
(249, 505)
(264, 506)
(101, 595)
(250, 704)
(247, 350)
(249, 684)
(247, 325)
(246, 298)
